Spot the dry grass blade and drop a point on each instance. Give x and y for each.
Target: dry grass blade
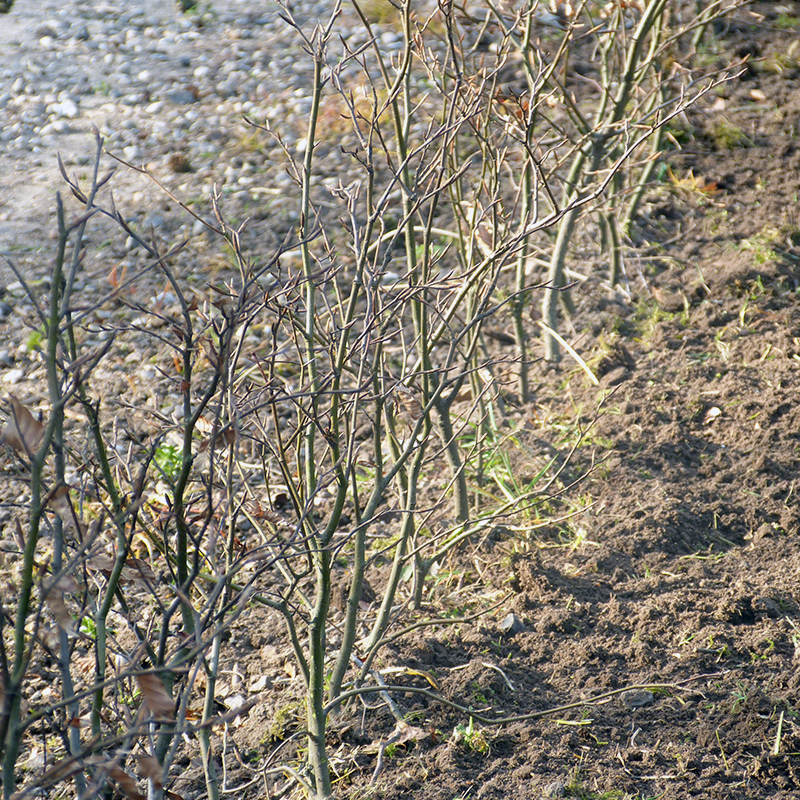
(23, 431)
(571, 350)
(156, 698)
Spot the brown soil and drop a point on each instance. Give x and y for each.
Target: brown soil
(683, 567)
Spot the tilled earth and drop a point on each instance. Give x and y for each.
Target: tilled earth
(683, 567)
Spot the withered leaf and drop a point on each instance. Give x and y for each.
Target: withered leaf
(204, 426)
(125, 782)
(177, 363)
(135, 570)
(101, 563)
(156, 698)
(20, 536)
(411, 405)
(54, 600)
(67, 583)
(226, 435)
(210, 351)
(404, 732)
(59, 501)
(224, 438)
(22, 431)
(147, 766)
(138, 571)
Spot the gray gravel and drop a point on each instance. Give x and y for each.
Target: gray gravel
(146, 70)
(165, 90)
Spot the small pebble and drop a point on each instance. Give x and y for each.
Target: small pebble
(153, 220)
(14, 376)
(556, 789)
(637, 698)
(181, 96)
(512, 625)
(66, 108)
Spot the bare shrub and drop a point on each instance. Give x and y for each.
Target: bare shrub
(345, 394)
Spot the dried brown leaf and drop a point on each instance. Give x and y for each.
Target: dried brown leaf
(225, 437)
(22, 431)
(156, 698)
(116, 277)
(58, 501)
(410, 404)
(125, 782)
(67, 583)
(255, 509)
(210, 351)
(147, 766)
(54, 600)
(177, 363)
(138, 571)
(404, 732)
(135, 570)
(101, 563)
(20, 536)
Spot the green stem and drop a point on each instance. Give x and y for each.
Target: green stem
(401, 548)
(315, 701)
(206, 751)
(521, 298)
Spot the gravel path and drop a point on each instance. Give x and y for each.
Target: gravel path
(165, 90)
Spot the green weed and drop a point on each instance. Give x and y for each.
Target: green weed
(168, 460)
(471, 738)
(727, 136)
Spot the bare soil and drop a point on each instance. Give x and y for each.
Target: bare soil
(683, 567)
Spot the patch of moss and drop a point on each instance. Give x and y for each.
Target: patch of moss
(286, 720)
(727, 136)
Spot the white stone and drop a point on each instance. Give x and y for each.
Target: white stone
(14, 376)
